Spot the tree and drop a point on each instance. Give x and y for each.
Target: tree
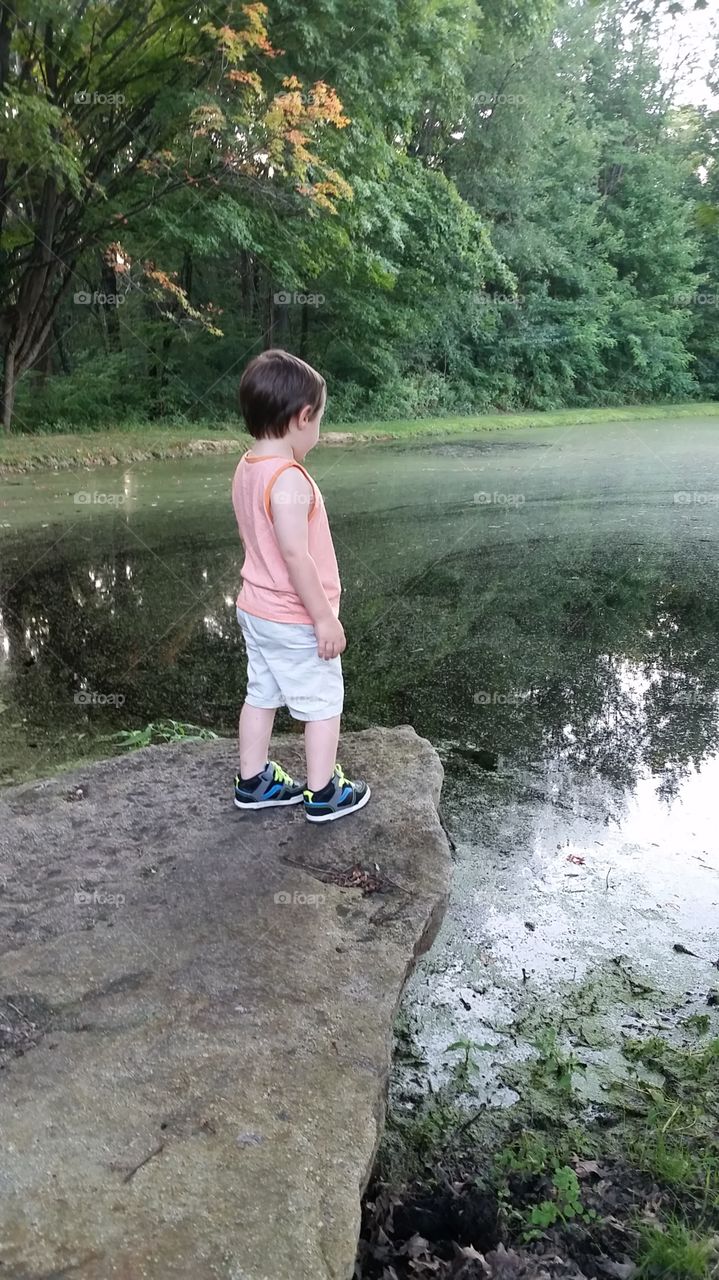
(105, 111)
(447, 205)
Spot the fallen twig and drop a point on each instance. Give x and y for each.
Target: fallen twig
(354, 877)
(144, 1161)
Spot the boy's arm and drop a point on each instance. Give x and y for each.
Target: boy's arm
(290, 502)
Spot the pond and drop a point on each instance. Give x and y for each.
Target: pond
(542, 604)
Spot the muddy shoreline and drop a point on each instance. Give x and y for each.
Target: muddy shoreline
(89, 458)
(553, 1188)
(23, 454)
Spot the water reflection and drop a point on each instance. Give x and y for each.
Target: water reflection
(600, 655)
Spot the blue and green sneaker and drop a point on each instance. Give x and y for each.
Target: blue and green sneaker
(337, 799)
(267, 789)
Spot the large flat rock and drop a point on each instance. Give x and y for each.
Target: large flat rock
(197, 1022)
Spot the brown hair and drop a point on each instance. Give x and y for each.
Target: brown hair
(274, 387)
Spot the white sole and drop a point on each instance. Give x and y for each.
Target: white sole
(268, 804)
(341, 813)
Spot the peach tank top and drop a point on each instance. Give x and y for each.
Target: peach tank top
(267, 591)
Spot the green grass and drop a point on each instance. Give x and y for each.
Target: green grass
(133, 443)
(673, 1253)
(400, 429)
(674, 1131)
(21, 453)
(657, 1158)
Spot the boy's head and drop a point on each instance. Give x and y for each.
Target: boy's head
(281, 395)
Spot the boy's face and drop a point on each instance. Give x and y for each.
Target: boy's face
(306, 433)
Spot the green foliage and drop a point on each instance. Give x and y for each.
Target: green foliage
(679, 1140)
(565, 1205)
(34, 133)
(160, 731)
(573, 1179)
(554, 1067)
(466, 1067)
(699, 1022)
(488, 206)
(675, 1251)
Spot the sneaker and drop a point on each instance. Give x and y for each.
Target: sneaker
(337, 799)
(270, 788)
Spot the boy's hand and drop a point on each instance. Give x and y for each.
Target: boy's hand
(331, 639)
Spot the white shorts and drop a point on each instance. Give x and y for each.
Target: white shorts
(284, 669)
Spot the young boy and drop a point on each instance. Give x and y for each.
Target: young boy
(289, 603)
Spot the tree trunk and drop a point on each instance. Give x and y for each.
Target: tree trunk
(256, 293)
(246, 285)
(269, 338)
(8, 388)
(60, 344)
(5, 41)
(43, 361)
(33, 319)
(166, 345)
(304, 331)
(187, 274)
(282, 326)
(109, 309)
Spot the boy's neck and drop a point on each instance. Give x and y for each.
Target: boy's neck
(270, 447)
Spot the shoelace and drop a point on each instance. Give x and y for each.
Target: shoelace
(280, 775)
(339, 774)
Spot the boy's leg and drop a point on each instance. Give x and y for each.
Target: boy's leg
(255, 733)
(313, 691)
(321, 738)
(329, 793)
(261, 783)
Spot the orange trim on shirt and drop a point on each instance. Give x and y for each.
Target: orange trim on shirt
(270, 483)
(275, 476)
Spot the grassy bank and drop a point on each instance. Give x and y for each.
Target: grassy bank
(54, 451)
(19, 454)
(623, 1186)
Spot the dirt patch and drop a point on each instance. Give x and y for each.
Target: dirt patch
(555, 1186)
(463, 1230)
(88, 455)
(355, 437)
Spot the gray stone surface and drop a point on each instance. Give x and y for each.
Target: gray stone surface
(195, 1070)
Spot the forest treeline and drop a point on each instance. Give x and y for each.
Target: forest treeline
(447, 207)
